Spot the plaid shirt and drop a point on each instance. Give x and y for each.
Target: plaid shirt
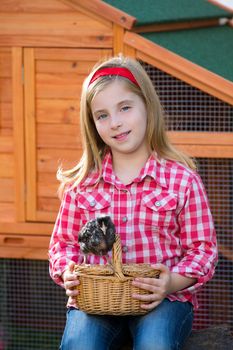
(162, 216)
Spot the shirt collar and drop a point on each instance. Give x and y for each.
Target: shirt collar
(154, 168)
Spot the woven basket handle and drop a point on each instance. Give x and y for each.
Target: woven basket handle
(117, 259)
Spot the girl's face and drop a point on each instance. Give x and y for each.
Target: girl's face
(120, 118)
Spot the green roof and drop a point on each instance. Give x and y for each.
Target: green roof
(211, 48)
(162, 11)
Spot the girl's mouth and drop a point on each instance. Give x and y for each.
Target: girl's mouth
(121, 136)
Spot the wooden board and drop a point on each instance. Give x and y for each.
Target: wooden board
(38, 27)
(24, 246)
(7, 165)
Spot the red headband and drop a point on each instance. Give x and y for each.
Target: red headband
(123, 72)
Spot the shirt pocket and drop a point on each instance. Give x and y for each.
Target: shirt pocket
(93, 204)
(158, 223)
(158, 210)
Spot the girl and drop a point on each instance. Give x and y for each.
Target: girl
(130, 171)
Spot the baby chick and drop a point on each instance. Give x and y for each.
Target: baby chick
(97, 237)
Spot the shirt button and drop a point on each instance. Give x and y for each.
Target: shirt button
(125, 249)
(92, 203)
(157, 203)
(124, 219)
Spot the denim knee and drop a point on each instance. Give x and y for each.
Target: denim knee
(164, 328)
(91, 332)
(161, 344)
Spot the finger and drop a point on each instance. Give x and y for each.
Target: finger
(147, 280)
(149, 302)
(150, 286)
(151, 305)
(151, 297)
(72, 301)
(72, 292)
(71, 284)
(70, 276)
(71, 266)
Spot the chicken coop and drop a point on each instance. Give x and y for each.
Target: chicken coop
(47, 47)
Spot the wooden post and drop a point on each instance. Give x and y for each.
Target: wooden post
(18, 132)
(30, 133)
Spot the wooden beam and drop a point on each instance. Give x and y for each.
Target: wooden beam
(79, 40)
(105, 10)
(129, 51)
(42, 229)
(203, 144)
(11, 240)
(118, 39)
(56, 24)
(24, 246)
(19, 151)
(34, 253)
(180, 67)
(206, 151)
(41, 6)
(163, 27)
(30, 133)
(201, 138)
(61, 54)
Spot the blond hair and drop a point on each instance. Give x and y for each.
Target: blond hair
(94, 148)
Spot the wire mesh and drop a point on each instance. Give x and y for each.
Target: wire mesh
(187, 108)
(215, 299)
(32, 312)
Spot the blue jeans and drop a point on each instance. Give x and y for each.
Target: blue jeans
(164, 328)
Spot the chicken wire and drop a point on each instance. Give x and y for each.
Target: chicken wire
(187, 108)
(216, 306)
(33, 308)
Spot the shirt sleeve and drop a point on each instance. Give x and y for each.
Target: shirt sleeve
(197, 237)
(64, 246)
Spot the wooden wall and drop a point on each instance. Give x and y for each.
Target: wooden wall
(51, 23)
(46, 50)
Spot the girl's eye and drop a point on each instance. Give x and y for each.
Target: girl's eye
(125, 108)
(101, 116)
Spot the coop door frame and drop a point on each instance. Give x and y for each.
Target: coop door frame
(31, 57)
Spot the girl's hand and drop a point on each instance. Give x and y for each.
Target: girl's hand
(70, 283)
(158, 287)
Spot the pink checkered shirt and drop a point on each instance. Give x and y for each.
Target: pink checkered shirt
(162, 216)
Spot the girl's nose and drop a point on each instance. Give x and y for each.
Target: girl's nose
(115, 122)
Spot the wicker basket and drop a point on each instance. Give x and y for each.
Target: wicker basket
(107, 290)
